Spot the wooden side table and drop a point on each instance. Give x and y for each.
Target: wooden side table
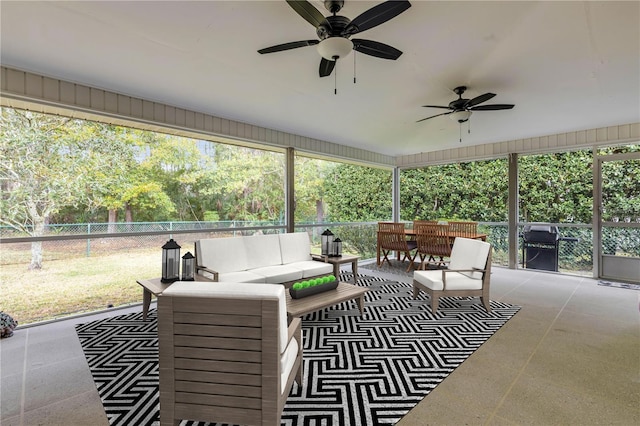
(155, 287)
(337, 261)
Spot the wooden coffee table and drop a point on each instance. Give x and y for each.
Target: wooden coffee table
(344, 292)
(337, 261)
(295, 307)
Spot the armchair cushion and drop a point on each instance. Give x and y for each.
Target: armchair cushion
(221, 290)
(287, 362)
(468, 254)
(455, 280)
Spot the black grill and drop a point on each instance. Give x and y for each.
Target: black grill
(540, 247)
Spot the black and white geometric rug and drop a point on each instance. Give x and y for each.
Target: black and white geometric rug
(368, 370)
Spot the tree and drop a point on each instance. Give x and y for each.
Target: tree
(358, 194)
(245, 184)
(50, 162)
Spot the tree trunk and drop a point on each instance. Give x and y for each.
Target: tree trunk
(128, 214)
(36, 246)
(113, 218)
(319, 211)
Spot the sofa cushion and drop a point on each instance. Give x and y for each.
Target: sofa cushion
(222, 254)
(295, 247)
(241, 277)
(262, 250)
(312, 268)
(278, 274)
(227, 290)
(455, 280)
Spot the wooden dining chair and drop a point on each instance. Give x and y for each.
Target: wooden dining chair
(421, 222)
(391, 237)
(433, 241)
(464, 229)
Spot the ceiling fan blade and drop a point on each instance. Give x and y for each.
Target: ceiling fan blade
(479, 99)
(307, 11)
(326, 67)
(493, 107)
(288, 46)
(375, 48)
(436, 106)
(433, 116)
(375, 16)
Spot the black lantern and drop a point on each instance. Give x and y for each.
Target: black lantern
(170, 262)
(188, 267)
(327, 243)
(337, 247)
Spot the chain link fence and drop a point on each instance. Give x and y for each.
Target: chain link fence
(358, 238)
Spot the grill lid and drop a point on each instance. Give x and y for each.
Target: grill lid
(541, 234)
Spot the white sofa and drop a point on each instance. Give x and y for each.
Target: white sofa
(273, 258)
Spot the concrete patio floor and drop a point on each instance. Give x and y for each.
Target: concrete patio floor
(571, 356)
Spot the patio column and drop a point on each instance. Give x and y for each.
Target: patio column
(395, 194)
(289, 190)
(513, 211)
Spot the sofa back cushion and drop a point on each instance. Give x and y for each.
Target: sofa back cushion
(295, 247)
(262, 250)
(222, 254)
(468, 254)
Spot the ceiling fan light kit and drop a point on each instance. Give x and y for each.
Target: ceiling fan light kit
(460, 116)
(333, 48)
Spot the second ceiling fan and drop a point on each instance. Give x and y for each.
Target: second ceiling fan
(334, 31)
(462, 108)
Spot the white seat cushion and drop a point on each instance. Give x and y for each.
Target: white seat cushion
(287, 360)
(312, 268)
(455, 280)
(278, 274)
(226, 290)
(241, 277)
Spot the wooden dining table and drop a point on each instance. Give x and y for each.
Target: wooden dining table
(411, 233)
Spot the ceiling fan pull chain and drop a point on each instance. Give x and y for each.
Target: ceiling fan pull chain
(335, 80)
(354, 67)
(469, 126)
(460, 124)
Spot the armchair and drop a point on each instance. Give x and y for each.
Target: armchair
(469, 274)
(226, 353)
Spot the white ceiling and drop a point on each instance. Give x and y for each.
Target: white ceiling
(565, 65)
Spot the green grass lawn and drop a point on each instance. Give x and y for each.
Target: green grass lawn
(75, 285)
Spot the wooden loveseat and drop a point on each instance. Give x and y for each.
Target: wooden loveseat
(273, 258)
